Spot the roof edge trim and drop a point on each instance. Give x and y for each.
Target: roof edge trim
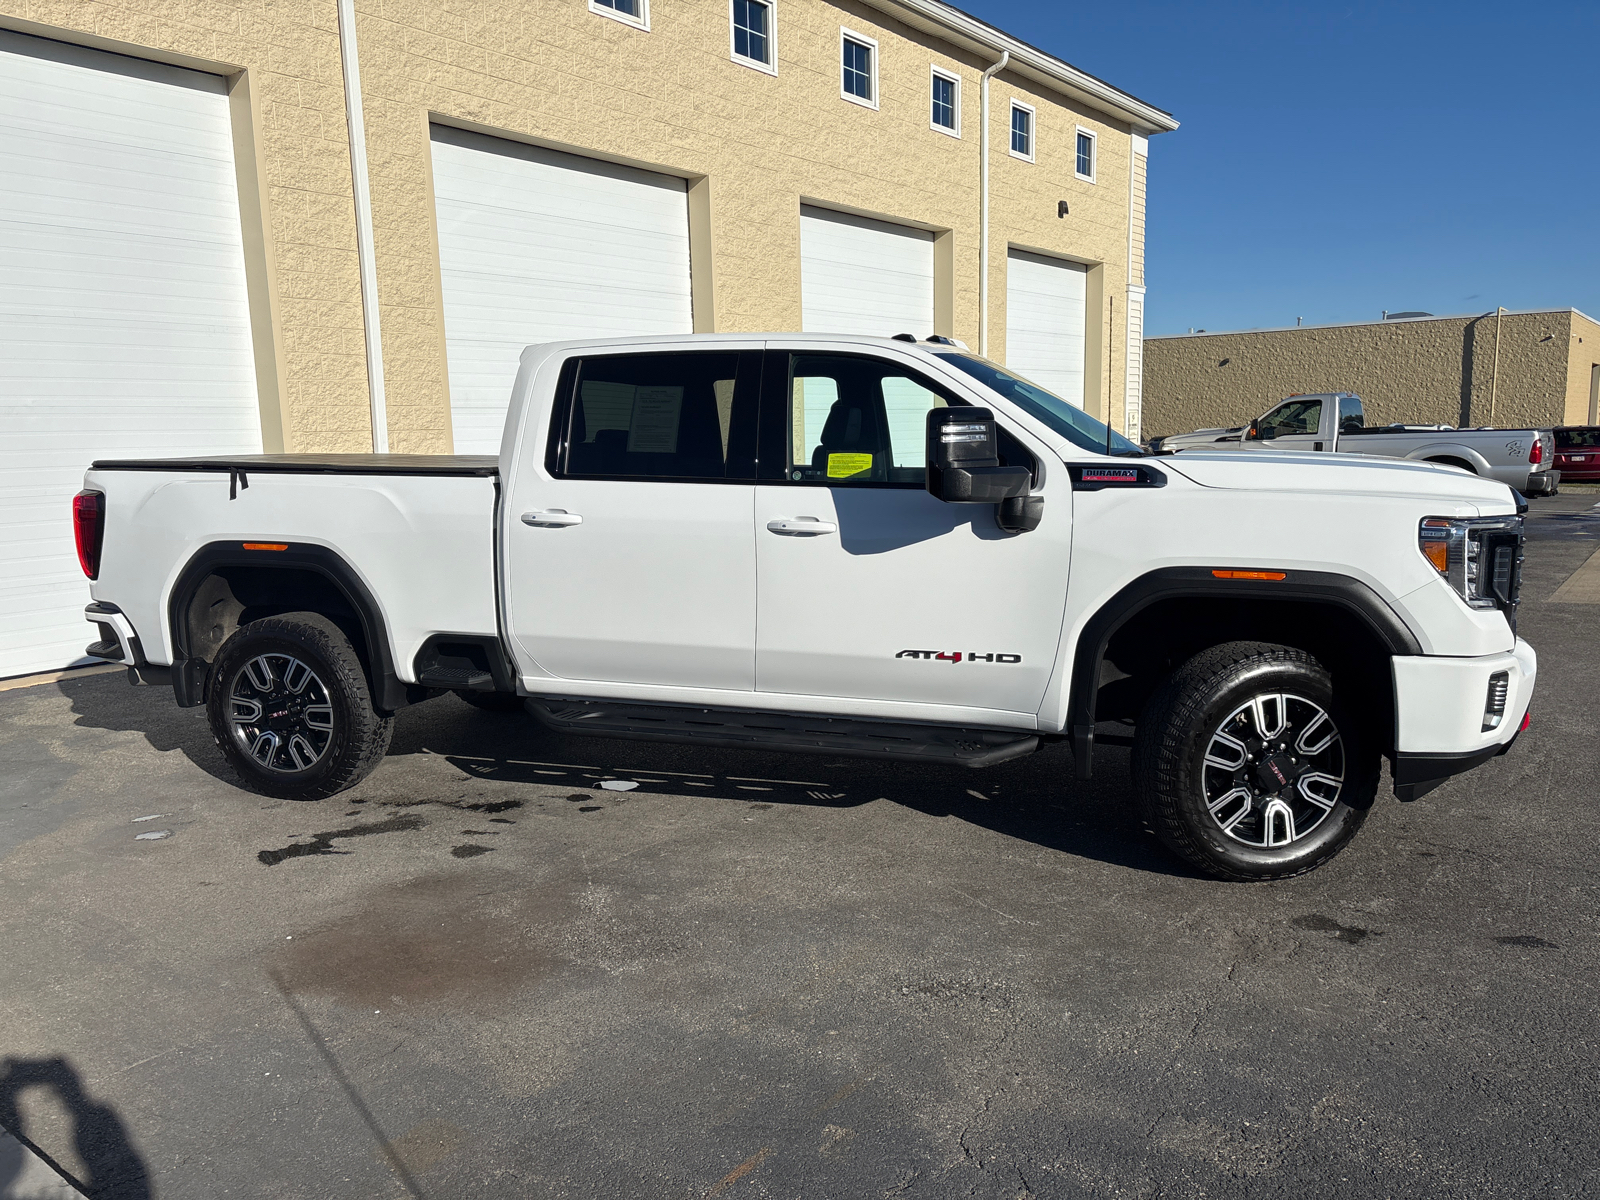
(1031, 61)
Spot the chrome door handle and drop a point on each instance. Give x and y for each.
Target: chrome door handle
(551, 518)
(805, 526)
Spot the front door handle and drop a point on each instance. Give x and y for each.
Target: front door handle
(551, 518)
(804, 526)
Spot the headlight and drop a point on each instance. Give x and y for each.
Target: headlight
(1480, 559)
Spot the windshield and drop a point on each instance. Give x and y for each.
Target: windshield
(1070, 421)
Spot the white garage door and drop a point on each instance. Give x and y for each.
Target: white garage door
(535, 246)
(863, 276)
(124, 321)
(1045, 322)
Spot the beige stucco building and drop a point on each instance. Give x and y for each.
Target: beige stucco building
(332, 225)
(652, 84)
(1538, 368)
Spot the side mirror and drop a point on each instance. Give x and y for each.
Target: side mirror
(1253, 433)
(963, 459)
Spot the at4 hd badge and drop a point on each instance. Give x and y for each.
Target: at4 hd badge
(955, 656)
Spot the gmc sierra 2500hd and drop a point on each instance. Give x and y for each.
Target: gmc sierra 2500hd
(849, 545)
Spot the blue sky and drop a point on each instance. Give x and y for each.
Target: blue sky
(1337, 160)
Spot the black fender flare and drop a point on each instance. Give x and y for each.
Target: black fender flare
(189, 673)
(1168, 583)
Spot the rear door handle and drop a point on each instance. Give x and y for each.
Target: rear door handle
(551, 518)
(804, 526)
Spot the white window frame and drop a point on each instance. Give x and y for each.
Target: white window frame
(1094, 154)
(1033, 130)
(642, 21)
(872, 45)
(770, 68)
(937, 72)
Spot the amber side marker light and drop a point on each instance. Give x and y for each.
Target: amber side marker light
(1274, 576)
(265, 545)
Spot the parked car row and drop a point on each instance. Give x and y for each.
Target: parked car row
(1525, 459)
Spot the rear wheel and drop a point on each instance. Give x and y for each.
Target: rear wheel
(1247, 765)
(290, 708)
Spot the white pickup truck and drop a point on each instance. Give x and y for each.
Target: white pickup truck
(1336, 421)
(849, 545)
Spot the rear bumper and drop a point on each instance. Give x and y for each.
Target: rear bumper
(1542, 483)
(119, 642)
(1440, 712)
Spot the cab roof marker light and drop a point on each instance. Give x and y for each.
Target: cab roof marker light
(1272, 576)
(265, 545)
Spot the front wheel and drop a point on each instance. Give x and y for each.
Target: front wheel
(1247, 765)
(290, 708)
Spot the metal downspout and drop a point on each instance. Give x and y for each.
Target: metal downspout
(363, 198)
(983, 203)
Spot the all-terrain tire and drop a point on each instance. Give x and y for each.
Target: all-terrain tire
(495, 702)
(290, 708)
(1185, 766)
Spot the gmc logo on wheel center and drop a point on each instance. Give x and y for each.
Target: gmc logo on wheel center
(955, 656)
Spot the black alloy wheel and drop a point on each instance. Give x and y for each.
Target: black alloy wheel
(1247, 764)
(290, 707)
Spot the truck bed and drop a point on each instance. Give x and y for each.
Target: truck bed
(416, 530)
(317, 464)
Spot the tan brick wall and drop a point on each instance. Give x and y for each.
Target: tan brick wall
(551, 72)
(290, 48)
(1419, 372)
(1582, 363)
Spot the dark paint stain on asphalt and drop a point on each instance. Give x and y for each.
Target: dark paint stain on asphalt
(1318, 923)
(501, 821)
(579, 797)
(591, 808)
(322, 843)
(1527, 940)
(469, 851)
(438, 940)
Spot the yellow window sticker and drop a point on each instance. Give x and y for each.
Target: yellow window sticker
(843, 466)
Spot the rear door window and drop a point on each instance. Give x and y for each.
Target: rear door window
(684, 416)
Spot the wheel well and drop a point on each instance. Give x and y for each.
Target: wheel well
(1451, 461)
(1159, 637)
(231, 596)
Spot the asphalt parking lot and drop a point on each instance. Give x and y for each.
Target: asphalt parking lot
(486, 973)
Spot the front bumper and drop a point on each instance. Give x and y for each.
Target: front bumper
(1439, 706)
(1542, 483)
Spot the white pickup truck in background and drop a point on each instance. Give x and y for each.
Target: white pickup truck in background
(847, 545)
(1335, 421)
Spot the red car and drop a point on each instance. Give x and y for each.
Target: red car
(1578, 453)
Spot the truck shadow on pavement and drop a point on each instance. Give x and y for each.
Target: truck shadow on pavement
(114, 1169)
(1034, 799)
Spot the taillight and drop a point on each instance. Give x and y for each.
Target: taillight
(1536, 455)
(89, 528)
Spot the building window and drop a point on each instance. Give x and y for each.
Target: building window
(634, 12)
(1086, 155)
(1021, 130)
(858, 80)
(945, 113)
(753, 41)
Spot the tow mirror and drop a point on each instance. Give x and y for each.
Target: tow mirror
(1253, 433)
(963, 459)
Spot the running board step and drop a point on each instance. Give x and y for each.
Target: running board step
(784, 731)
(458, 679)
